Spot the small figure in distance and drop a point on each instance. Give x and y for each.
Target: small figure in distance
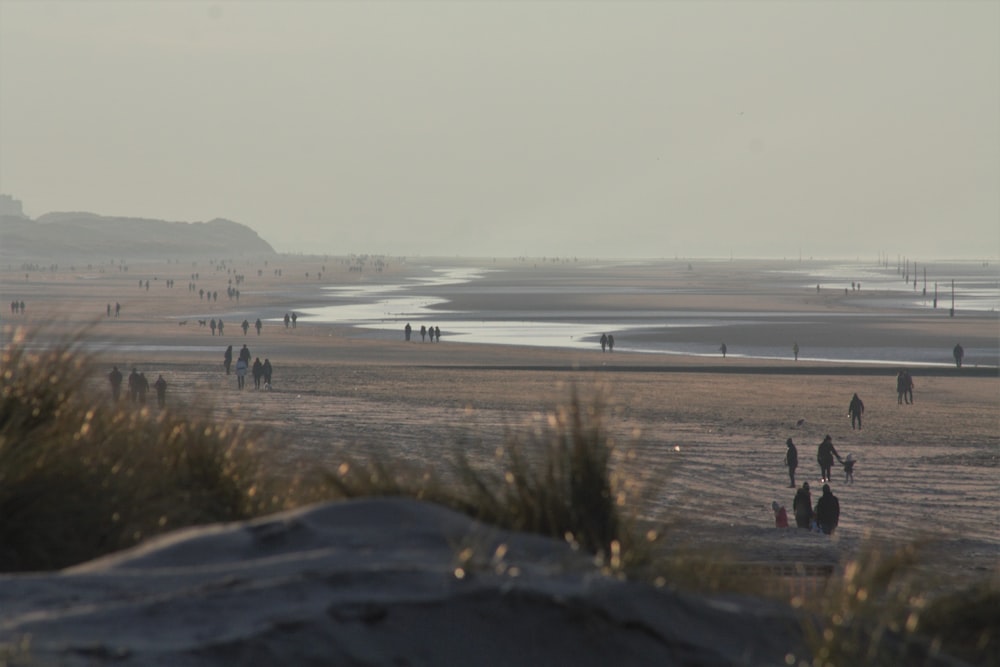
(854, 410)
(722, 348)
(267, 374)
(115, 377)
(827, 511)
(295, 319)
(423, 333)
(287, 320)
(407, 331)
(245, 326)
(133, 385)
(849, 469)
(802, 506)
(795, 350)
(221, 325)
(908, 387)
(792, 461)
(227, 360)
(611, 343)
(257, 325)
(824, 455)
(161, 391)
(780, 515)
(437, 334)
(900, 387)
(959, 354)
(241, 372)
(211, 325)
(258, 371)
(143, 385)
(604, 342)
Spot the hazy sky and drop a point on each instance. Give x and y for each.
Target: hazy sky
(609, 129)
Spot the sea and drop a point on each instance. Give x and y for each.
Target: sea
(954, 291)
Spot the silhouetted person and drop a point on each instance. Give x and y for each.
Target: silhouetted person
(849, 469)
(855, 409)
(295, 319)
(287, 320)
(245, 354)
(824, 455)
(143, 388)
(267, 372)
(437, 334)
(161, 391)
(211, 325)
(900, 388)
(407, 330)
(908, 387)
(958, 353)
(257, 370)
(795, 350)
(802, 506)
(133, 386)
(245, 326)
(241, 373)
(827, 511)
(118, 309)
(257, 325)
(604, 342)
(722, 349)
(792, 461)
(115, 378)
(423, 333)
(220, 327)
(109, 310)
(611, 343)
(227, 360)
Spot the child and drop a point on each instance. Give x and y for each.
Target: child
(849, 469)
(780, 515)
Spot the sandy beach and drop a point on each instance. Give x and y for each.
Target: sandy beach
(702, 436)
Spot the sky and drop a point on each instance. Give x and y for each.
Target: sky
(556, 129)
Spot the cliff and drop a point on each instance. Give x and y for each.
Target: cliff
(77, 236)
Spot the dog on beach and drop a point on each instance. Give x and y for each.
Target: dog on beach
(202, 323)
(182, 323)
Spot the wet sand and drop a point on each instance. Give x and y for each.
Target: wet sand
(705, 434)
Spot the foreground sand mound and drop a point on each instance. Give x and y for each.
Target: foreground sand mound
(374, 582)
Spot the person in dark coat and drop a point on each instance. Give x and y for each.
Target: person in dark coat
(227, 360)
(802, 506)
(115, 377)
(855, 409)
(827, 511)
(267, 373)
(245, 354)
(958, 352)
(824, 455)
(133, 385)
(792, 461)
(161, 391)
(257, 370)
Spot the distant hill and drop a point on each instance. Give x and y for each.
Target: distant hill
(56, 236)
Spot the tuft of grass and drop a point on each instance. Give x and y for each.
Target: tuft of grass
(885, 609)
(561, 482)
(81, 477)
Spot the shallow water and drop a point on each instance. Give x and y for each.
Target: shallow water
(383, 310)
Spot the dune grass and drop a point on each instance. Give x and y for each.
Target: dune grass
(81, 477)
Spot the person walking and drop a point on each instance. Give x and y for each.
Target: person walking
(115, 378)
(227, 359)
(161, 391)
(855, 409)
(267, 373)
(792, 461)
(257, 370)
(795, 350)
(407, 331)
(828, 511)
(824, 455)
(241, 373)
(802, 506)
(959, 354)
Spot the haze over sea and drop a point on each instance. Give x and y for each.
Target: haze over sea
(534, 305)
